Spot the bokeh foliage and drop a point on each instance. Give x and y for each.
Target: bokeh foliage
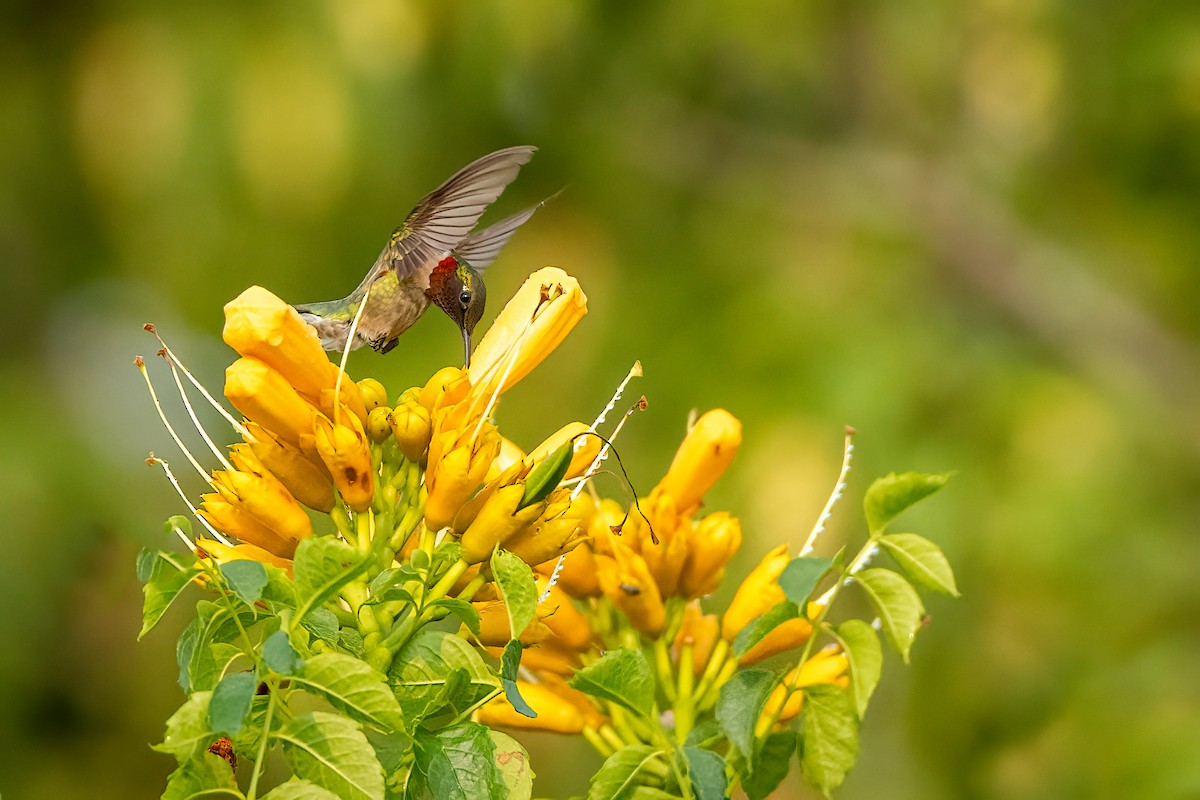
(966, 229)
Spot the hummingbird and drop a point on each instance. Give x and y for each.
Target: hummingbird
(433, 256)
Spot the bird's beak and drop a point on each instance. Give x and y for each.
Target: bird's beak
(467, 345)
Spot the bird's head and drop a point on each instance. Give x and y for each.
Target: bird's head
(457, 289)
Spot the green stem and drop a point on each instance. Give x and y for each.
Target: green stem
(262, 746)
(716, 662)
(662, 662)
(684, 702)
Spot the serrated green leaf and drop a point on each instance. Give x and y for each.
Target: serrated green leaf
(321, 567)
(706, 733)
(706, 772)
(799, 578)
(280, 591)
(897, 604)
(332, 752)
(323, 624)
(187, 730)
(230, 703)
(922, 561)
(889, 496)
(456, 763)
(209, 664)
(760, 626)
(246, 578)
(166, 576)
(353, 687)
(351, 641)
(622, 772)
(299, 790)
(423, 679)
(513, 763)
(206, 777)
(212, 653)
(185, 648)
(861, 645)
(544, 477)
(466, 613)
(622, 676)
(830, 731)
(278, 654)
(515, 581)
(739, 706)
(771, 766)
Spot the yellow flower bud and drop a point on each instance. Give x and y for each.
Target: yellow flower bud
(223, 553)
(449, 385)
(373, 393)
(578, 574)
(454, 477)
(666, 558)
(712, 543)
(704, 455)
(627, 582)
(412, 428)
(309, 484)
(698, 631)
(559, 529)
(828, 666)
(496, 522)
(757, 593)
(344, 449)
(234, 520)
(495, 630)
(535, 321)
(608, 514)
(266, 397)
(785, 636)
(555, 713)
(265, 498)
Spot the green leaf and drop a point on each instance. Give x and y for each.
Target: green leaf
(706, 733)
(323, 624)
(706, 772)
(510, 662)
(760, 626)
(210, 663)
(188, 734)
(800, 577)
(466, 613)
(278, 654)
(206, 777)
(456, 763)
(423, 675)
(280, 591)
(230, 703)
(888, 497)
(652, 793)
(353, 687)
(515, 581)
(513, 763)
(771, 766)
(351, 641)
(861, 645)
(246, 578)
(544, 477)
(830, 732)
(211, 652)
(922, 561)
(897, 604)
(165, 577)
(299, 790)
(621, 676)
(173, 526)
(185, 648)
(332, 752)
(739, 706)
(622, 772)
(322, 566)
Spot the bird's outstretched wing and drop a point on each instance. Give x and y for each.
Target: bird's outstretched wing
(445, 216)
(481, 248)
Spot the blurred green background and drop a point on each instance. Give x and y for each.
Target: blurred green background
(967, 229)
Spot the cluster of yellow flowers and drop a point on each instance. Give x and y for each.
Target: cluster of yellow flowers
(433, 465)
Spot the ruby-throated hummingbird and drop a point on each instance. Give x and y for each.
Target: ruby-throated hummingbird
(433, 255)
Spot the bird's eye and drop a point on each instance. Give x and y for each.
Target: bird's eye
(464, 297)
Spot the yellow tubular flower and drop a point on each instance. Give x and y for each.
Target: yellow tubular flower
(550, 655)
(495, 630)
(554, 713)
(608, 514)
(713, 542)
(559, 529)
(412, 428)
(757, 593)
(308, 483)
(566, 621)
(665, 559)
(263, 496)
(627, 582)
(828, 666)
(234, 520)
(223, 553)
(785, 636)
(586, 448)
(699, 630)
(538, 317)
(497, 522)
(448, 386)
(266, 397)
(455, 477)
(344, 448)
(704, 455)
(578, 574)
